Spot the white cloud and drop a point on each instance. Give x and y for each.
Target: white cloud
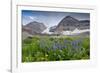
(31, 17)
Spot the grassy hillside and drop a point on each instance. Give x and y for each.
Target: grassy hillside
(58, 48)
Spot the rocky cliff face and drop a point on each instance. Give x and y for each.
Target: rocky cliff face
(84, 24)
(70, 24)
(34, 28)
(67, 23)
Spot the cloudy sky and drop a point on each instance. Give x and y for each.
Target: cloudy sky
(50, 18)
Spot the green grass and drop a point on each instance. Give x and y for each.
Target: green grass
(49, 48)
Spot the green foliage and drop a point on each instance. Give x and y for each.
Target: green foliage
(49, 48)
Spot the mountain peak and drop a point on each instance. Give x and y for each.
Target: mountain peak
(34, 27)
(68, 21)
(70, 18)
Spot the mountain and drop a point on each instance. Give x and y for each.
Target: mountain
(84, 24)
(68, 24)
(69, 21)
(34, 28)
(52, 29)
